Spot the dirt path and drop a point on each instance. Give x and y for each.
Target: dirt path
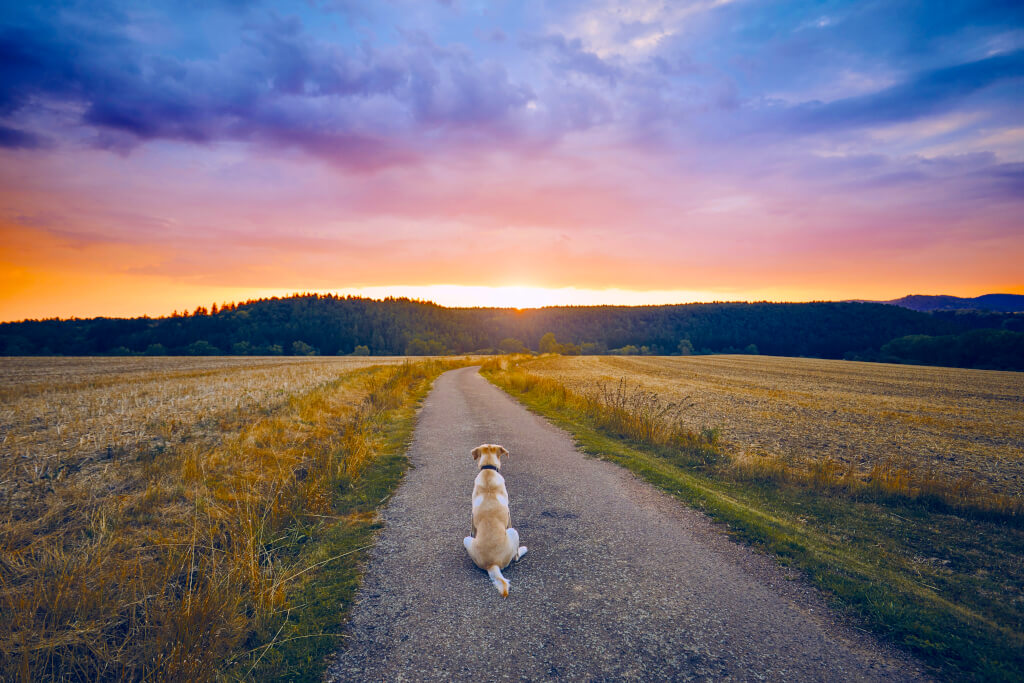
(621, 581)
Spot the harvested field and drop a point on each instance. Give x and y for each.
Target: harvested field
(58, 415)
(944, 422)
(920, 533)
(156, 514)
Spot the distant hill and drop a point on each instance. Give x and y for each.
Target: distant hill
(1004, 303)
(332, 325)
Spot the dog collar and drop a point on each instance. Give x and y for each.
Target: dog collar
(489, 467)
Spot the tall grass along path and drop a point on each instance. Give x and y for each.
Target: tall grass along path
(621, 582)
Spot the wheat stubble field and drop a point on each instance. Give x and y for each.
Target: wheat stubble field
(896, 489)
(202, 518)
(176, 518)
(66, 414)
(954, 424)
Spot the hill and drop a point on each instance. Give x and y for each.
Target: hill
(332, 325)
(1006, 303)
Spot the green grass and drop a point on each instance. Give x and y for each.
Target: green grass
(333, 546)
(945, 584)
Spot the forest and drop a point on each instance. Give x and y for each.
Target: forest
(311, 324)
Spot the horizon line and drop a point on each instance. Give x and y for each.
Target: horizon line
(381, 298)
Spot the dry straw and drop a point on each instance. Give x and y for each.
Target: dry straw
(954, 436)
(144, 501)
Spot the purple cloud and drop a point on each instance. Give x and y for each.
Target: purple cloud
(570, 56)
(278, 85)
(920, 96)
(12, 138)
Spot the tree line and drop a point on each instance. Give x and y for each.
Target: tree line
(331, 325)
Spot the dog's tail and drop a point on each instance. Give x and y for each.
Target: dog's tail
(499, 581)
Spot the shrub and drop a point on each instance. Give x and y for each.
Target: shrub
(548, 344)
(301, 348)
(510, 345)
(201, 348)
(627, 350)
(242, 348)
(425, 347)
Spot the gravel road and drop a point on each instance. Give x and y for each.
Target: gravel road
(622, 582)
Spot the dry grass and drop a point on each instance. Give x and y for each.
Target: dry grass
(59, 413)
(926, 555)
(145, 502)
(902, 427)
(619, 409)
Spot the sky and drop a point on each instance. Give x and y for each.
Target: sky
(164, 155)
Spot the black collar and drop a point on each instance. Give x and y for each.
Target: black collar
(489, 467)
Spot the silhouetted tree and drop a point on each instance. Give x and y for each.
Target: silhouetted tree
(548, 344)
(271, 326)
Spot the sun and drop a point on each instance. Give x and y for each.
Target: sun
(531, 296)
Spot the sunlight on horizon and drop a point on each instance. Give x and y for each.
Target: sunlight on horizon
(116, 299)
(523, 296)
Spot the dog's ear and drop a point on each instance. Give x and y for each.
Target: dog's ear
(504, 452)
(477, 451)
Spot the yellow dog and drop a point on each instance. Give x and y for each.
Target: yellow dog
(494, 543)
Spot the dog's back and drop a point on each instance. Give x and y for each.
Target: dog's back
(494, 544)
(491, 518)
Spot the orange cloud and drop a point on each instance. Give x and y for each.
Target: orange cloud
(89, 233)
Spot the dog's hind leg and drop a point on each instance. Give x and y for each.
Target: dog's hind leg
(499, 581)
(467, 541)
(513, 537)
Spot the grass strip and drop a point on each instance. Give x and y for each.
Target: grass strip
(228, 553)
(962, 617)
(293, 646)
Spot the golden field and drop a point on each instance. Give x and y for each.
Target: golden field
(155, 513)
(897, 489)
(61, 414)
(956, 424)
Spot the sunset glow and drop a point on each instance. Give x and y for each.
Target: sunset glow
(533, 297)
(507, 154)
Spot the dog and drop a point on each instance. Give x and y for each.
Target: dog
(494, 543)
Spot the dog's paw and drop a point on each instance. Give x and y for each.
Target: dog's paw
(522, 551)
(502, 584)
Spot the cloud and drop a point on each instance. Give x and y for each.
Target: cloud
(925, 94)
(12, 138)
(358, 105)
(628, 143)
(1000, 181)
(568, 55)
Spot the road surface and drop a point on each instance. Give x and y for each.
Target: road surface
(622, 582)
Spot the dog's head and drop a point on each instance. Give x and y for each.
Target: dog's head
(489, 454)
